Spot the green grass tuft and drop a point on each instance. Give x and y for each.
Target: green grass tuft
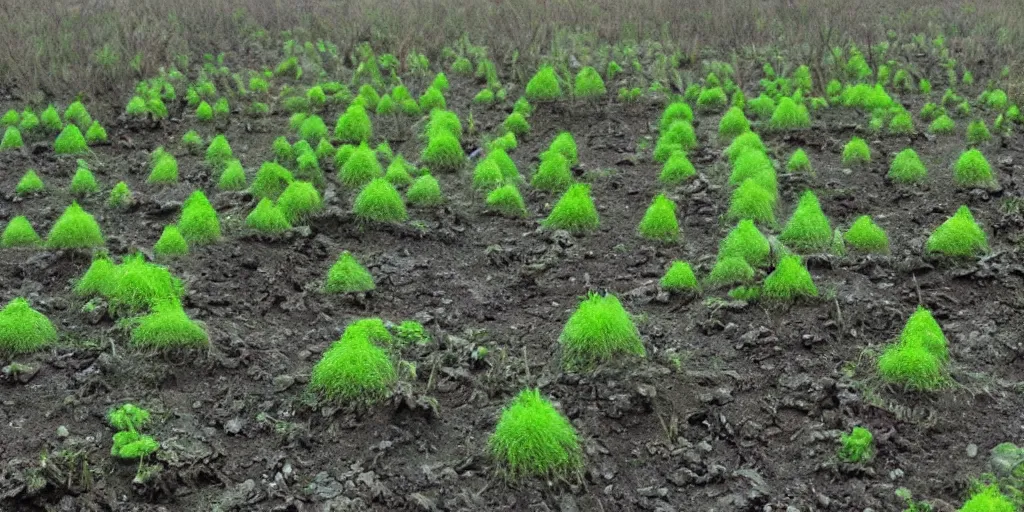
(99, 279)
(730, 270)
(906, 167)
(588, 84)
(83, 183)
(808, 230)
(762, 106)
(977, 133)
(443, 152)
(789, 281)
(544, 87)
(972, 170)
(506, 142)
(354, 126)
(532, 439)
(677, 111)
(424, 191)
(360, 168)
(50, 120)
(659, 222)
(598, 331)
(553, 173)
(856, 152)
(133, 286)
(282, 150)
(347, 275)
(70, 142)
(865, 236)
(712, 99)
(299, 202)
(218, 153)
(379, 201)
(165, 170)
(679, 136)
(565, 144)
(233, 177)
(912, 366)
(431, 99)
(856, 446)
(270, 181)
(958, 237)
(168, 327)
(800, 162)
(398, 172)
(23, 329)
(19, 233)
(128, 417)
(742, 143)
(747, 242)
(507, 201)
(921, 328)
(942, 125)
(12, 139)
(574, 211)
(443, 121)
(487, 176)
(789, 116)
(171, 244)
(677, 169)
(199, 223)
(29, 184)
(75, 229)
(204, 112)
(988, 499)
(751, 201)
(516, 124)
(353, 369)
(313, 129)
(733, 123)
(679, 278)
(756, 165)
(504, 162)
(267, 219)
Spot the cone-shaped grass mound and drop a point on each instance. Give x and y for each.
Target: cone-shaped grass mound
(901, 124)
(444, 121)
(507, 201)
(712, 99)
(808, 230)
(677, 111)
(988, 499)
(165, 170)
(856, 152)
(83, 183)
(75, 229)
(972, 170)
(942, 125)
(233, 177)
(532, 439)
(171, 244)
(677, 169)
(553, 174)
(907, 167)
(134, 285)
(799, 162)
(574, 211)
(789, 281)
(120, 197)
(168, 327)
(733, 123)
(599, 330)
(977, 133)
(219, 153)
(432, 99)
(443, 152)
(754, 165)
(958, 237)
(565, 145)
(679, 136)
(544, 87)
(12, 139)
(789, 115)
(911, 365)
(588, 84)
(504, 162)
(679, 278)
(730, 270)
(313, 129)
(751, 201)
(70, 142)
(354, 369)
(659, 222)
(19, 233)
(398, 173)
(354, 125)
(199, 223)
(866, 236)
(299, 202)
(516, 124)
(360, 167)
(23, 329)
(99, 279)
(270, 180)
(96, 134)
(747, 242)
(29, 184)
(424, 191)
(347, 275)
(921, 328)
(379, 201)
(487, 176)
(743, 142)
(267, 219)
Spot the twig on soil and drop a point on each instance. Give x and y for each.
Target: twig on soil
(113, 349)
(526, 363)
(839, 319)
(917, 287)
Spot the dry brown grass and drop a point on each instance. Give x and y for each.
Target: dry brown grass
(51, 45)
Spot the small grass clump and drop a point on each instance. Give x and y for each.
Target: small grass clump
(659, 222)
(574, 211)
(808, 230)
(729, 271)
(712, 99)
(679, 136)
(565, 144)
(424, 191)
(789, 115)
(120, 197)
(747, 242)
(553, 174)
(799, 162)
(313, 129)
(23, 329)
(19, 233)
(270, 180)
(516, 124)
(958, 237)
(165, 170)
(911, 365)
(232, 178)
(132, 286)
(193, 142)
(12, 139)
(219, 153)
(354, 126)
(75, 229)
(506, 142)
(856, 446)
(901, 124)
(789, 281)
(507, 201)
(921, 328)
(199, 223)
(504, 162)
(267, 219)
(742, 143)
(679, 278)
(733, 123)
(70, 142)
(359, 168)
(754, 165)
(588, 84)
(752, 201)
(977, 133)
(379, 201)
(347, 275)
(866, 236)
(544, 87)
(856, 152)
(599, 330)
(972, 170)
(443, 152)
(942, 125)
(431, 99)
(353, 369)
(50, 120)
(677, 169)
(906, 167)
(171, 244)
(988, 499)
(29, 184)
(299, 201)
(204, 112)
(677, 111)
(532, 439)
(83, 183)
(168, 327)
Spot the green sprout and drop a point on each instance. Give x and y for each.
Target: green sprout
(507, 201)
(747, 242)
(588, 84)
(808, 230)
(411, 331)
(70, 142)
(865, 236)
(856, 446)
(598, 331)
(299, 202)
(677, 169)
(353, 126)
(424, 191)
(270, 181)
(19, 233)
(533, 439)
(906, 167)
(544, 87)
(679, 278)
(659, 222)
(856, 152)
(972, 170)
(347, 275)
(168, 327)
(29, 184)
(574, 211)
(958, 237)
(379, 201)
(789, 116)
(128, 417)
(75, 229)
(171, 244)
(23, 329)
(199, 223)
(790, 280)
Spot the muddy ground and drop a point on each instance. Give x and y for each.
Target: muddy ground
(737, 406)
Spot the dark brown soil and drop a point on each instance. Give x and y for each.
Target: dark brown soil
(736, 407)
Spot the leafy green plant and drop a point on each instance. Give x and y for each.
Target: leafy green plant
(171, 244)
(354, 126)
(789, 115)
(424, 191)
(856, 446)
(132, 286)
(75, 229)
(553, 174)
(487, 176)
(506, 142)
(959, 236)
(507, 201)
(70, 142)
(599, 330)
(83, 183)
(120, 197)
(733, 123)
(379, 201)
(972, 170)
(588, 84)
(443, 152)
(19, 233)
(267, 219)
(431, 99)
(353, 369)
(12, 139)
(799, 162)
(742, 143)
(10, 118)
(204, 112)
(907, 167)
(128, 417)
(762, 106)
(988, 499)
(199, 223)
(752, 201)
(29, 184)
(218, 153)
(299, 201)
(659, 222)
(168, 327)
(912, 366)
(516, 124)
(533, 439)
(347, 275)
(193, 142)
(679, 278)
(808, 230)
(232, 177)
(574, 211)
(23, 329)
(544, 87)
(730, 270)
(29, 122)
(756, 165)
(790, 280)
(398, 172)
(747, 242)
(922, 329)
(505, 163)
(564, 144)
(856, 152)
(221, 109)
(165, 171)
(99, 279)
